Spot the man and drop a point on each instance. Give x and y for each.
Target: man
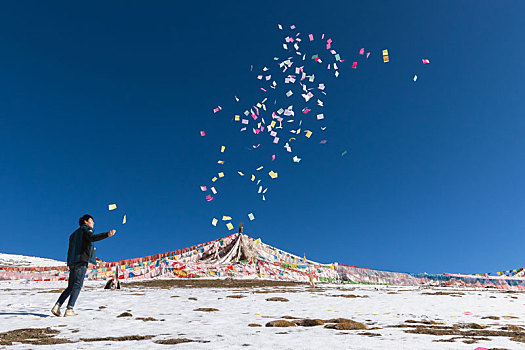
(80, 253)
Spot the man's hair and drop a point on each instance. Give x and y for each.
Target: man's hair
(83, 219)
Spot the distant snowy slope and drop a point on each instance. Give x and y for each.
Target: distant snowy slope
(22, 260)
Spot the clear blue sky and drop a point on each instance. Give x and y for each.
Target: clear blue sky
(103, 103)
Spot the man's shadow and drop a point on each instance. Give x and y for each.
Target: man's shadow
(23, 314)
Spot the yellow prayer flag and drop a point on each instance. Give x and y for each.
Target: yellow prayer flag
(221, 162)
(226, 218)
(308, 133)
(253, 177)
(237, 118)
(223, 148)
(272, 174)
(221, 174)
(229, 226)
(385, 52)
(385, 59)
(240, 173)
(259, 168)
(124, 220)
(112, 206)
(214, 179)
(272, 124)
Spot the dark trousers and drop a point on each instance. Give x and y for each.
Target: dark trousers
(77, 273)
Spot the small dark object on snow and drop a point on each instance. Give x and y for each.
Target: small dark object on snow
(113, 283)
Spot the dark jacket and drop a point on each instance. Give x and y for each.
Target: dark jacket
(81, 245)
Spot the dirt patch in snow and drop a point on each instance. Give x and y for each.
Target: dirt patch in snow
(123, 338)
(206, 309)
(350, 296)
(34, 336)
(369, 334)
(173, 341)
(281, 323)
(471, 332)
(309, 322)
(277, 299)
(125, 314)
(454, 294)
(345, 324)
(53, 290)
(146, 319)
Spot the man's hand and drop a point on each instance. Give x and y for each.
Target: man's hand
(111, 233)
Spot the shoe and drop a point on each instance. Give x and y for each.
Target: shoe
(56, 310)
(70, 312)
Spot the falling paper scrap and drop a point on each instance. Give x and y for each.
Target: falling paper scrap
(229, 226)
(124, 220)
(112, 206)
(226, 218)
(203, 133)
(298, 79)
(251, 216)
(425, 61)
(214, 222)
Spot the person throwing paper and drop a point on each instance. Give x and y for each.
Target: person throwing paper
(81, 252)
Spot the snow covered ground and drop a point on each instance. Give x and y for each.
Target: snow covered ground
(8, 260)
(380, 308)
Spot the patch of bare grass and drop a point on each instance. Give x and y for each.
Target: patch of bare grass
(281, 323)
(277, 299)
(123, 338)
(34, 336)
(146, 319)
(206, 309)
